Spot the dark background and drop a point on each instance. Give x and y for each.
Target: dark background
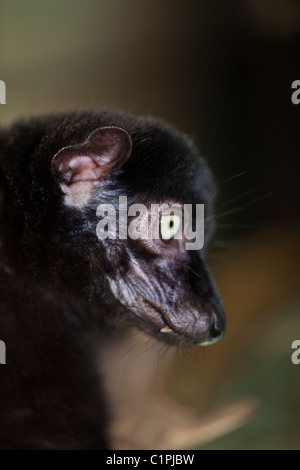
(221, 72)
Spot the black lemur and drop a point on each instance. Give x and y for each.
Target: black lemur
(59, 280)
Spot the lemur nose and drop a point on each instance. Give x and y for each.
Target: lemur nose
(216, 329)
(217, 326)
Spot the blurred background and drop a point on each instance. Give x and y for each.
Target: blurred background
(222, 73)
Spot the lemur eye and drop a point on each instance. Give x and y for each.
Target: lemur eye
(169, 226)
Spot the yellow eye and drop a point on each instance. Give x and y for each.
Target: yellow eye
(169, 226)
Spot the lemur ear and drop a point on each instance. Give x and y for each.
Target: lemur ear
(79, 167)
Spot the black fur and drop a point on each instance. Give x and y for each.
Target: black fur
(59, 283)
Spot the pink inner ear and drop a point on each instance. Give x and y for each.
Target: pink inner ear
(84, 168)
(106, 149)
